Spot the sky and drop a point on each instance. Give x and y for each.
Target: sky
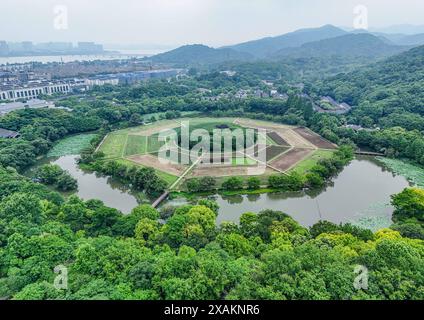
(177, 22)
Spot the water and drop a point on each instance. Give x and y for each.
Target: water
(360, 194)
(95, 186)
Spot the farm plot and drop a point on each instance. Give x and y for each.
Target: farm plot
(154, 162)
(290, 158)
(315, 139)
(274, 151)
(222, 171)
(274, 136)
(136, 145)
(113, 146)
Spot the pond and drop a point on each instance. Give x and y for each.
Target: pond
(94, 186)
(360, 195)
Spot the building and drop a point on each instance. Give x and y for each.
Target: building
(102, 80)
(130, 77)
(33, 104)
(329, 105)
(89, 47)
(55, 47)
(7, 134)
(4, 48)
(32, 90)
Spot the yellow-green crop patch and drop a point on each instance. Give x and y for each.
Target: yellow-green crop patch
(136, 145)
(113, 146)
(308, 163)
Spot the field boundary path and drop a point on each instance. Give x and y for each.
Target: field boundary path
(100, 144)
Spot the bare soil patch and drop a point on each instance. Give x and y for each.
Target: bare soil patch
(315, 139)
(290, 158)
(274, 151)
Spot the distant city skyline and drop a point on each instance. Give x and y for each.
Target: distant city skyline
(176, 22)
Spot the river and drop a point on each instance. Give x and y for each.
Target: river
(360, 193)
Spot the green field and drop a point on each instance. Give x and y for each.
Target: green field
(307, 164)
(114, 144)
(243, 162)
(136, 145)
(154, 144)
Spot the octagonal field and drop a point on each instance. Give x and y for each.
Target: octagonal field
(285, 148)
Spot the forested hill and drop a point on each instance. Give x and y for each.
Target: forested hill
(264, 47)
(393, 84)
(351, 45)
(199, 54)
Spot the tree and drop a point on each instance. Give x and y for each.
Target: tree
(409, 204)
(253, 183)
(233, 183)
(65, 182)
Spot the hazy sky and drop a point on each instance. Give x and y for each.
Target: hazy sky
(175, 22)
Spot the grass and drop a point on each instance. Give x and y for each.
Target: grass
(308, 163)
(72, 145)
(242, 162)
(136, 145)
(154, 144)
(113, 146)
(411, 172)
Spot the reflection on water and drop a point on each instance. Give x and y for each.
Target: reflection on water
(361, 193)
(96, 186)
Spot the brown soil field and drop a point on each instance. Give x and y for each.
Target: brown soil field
(289, 159)
(274, 151)
(315, 139)
(151, 161)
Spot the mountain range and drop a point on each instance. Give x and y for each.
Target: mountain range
(324, 42)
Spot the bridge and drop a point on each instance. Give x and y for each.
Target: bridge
(165, 195)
